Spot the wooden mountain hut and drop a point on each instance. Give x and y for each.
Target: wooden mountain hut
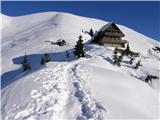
(109, 35)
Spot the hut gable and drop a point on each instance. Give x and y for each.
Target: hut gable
(109, 35)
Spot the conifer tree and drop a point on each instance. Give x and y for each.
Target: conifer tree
(115, 58)
(67, 54)
(138, 64)
(25, 63)
(131, 60)
(127, 50)
(42, 61)
(79, 48)
(150, 77)
(121, 57)
(91, 32)
(119, 60)
(46, 58)
(115, 51)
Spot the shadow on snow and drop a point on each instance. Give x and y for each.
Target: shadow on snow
(34, 60)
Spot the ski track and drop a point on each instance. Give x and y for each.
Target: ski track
(90, 107)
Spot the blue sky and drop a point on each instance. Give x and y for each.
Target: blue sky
(143, 17)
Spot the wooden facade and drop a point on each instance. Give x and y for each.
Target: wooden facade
(109, 35)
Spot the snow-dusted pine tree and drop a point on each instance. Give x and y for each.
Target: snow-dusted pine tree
(79, 48)
(91, 32)
(42, 61)
(131, 60)
(150, 77)
(116, 59)
(127, 50)
(25, 63)
(120, 58)
(46, 58)
(115, 51)
(67, 54)
(138, 64)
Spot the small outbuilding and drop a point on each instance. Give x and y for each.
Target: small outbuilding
(109, 35)
(61, 42)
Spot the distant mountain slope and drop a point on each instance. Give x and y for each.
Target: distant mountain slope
(29, 33)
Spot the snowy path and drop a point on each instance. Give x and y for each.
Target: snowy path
(64, 93)
(90, 107)
(59, 84)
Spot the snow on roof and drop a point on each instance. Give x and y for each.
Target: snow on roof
(101, 30)
(106, 26)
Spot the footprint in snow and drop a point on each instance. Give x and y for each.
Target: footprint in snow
(35, 94)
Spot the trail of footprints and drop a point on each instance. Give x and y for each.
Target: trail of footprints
(49, 99)
(43, 102)
(90, 107)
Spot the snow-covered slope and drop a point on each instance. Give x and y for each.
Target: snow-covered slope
(4, 21)
(29, 34)
(73, 89)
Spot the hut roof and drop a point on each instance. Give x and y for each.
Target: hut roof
(103, 29)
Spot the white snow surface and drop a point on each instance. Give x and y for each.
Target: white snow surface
(68, 88)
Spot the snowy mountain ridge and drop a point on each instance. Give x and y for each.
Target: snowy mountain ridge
(67, 88)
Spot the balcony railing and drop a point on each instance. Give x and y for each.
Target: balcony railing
(114, 34)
